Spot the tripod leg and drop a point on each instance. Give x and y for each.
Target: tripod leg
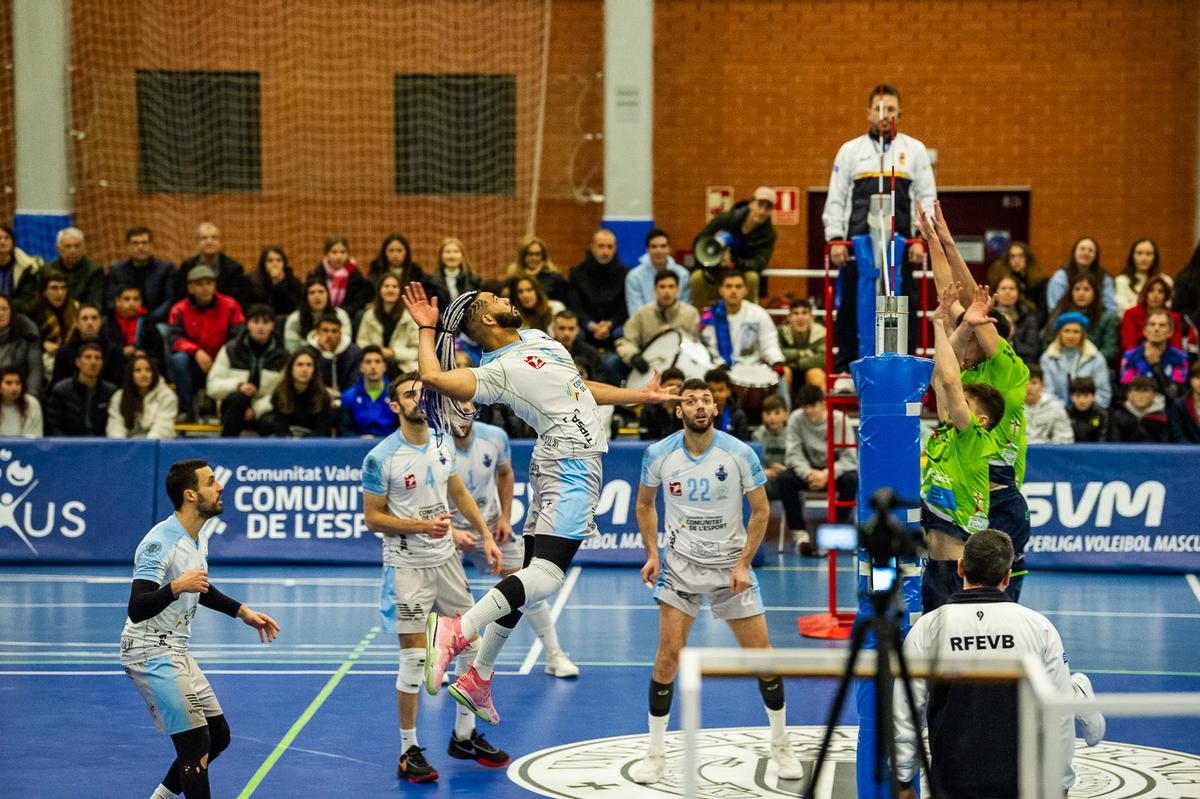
(857, 636)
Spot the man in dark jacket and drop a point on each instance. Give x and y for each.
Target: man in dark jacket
(85, 277)
(337, 358)
(231, 277)
(1183, 415)
(129, 329)
(246, 372)
(154, 277)
(78, 406)
(752, 241)
(566, 332)
(88, 329)
(730, 416)
(365, 411)
(597, 296)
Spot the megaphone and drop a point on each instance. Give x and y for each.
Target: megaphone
(709, 251)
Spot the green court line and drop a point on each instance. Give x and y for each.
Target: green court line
(306, 716)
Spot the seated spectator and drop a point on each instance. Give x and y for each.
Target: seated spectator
(300, 405)
(20, 345)
(536, 309)
(20, 411)
(1140, 266)
(1022, 315)
(454, 274)
(1156, 358)
(533, 260)
(199, 327)
(1142, 417)
(348, 289)
(807, 456)
(78, 406)
(605, 412)
(1084, 298)
(1155, 295)
(730, 416)
(85, 277)
(144, 406)
(246, 372)
(130, 330)
(1085, 259)
(89, 329)
(228, 273)
(366, 411)
(273, 283)
(1072, 355)
(802, 342)
(565, 331)
(665, 312)
(658, 420)
(55, 314)
(17, 267)
(300, 327)
(1046, 420)
(386, 324)
(1088, 419)
(1183, 415)
(154, 277)
(739, 332)
(1019, 263)
(338, 357)
(773, 437)
(597, 296)
(752, 242)
(657, 260)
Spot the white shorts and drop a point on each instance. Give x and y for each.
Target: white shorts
(683, 585)
(565, 495)
(410, 595)
(512, 551)
(176, 691)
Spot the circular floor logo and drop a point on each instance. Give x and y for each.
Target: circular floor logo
(735, 764)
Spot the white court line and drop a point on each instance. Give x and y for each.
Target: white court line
(1194, 582)
(555, 610)
(356, 672)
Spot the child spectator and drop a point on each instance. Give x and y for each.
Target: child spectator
(1089, 420)
(730, 416)
(131, 330)
(1072, 355)
(302, 323)
(338, 357)
(1183, 415)
(273, 283)
(386, 324)
(301, 406)
(246, 372)
(1141, 419)
(145, 406)
(1156, 358)
(1045, 417)
(365, 410)
(199, 326)
(78, 406)
(20, 412)
(773, 437)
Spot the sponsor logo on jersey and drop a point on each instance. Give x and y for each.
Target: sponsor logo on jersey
(722, 473)
(487, 461)
(676, 488)
(534, 361)
(442, 458)
(734, 762)
(410, 481)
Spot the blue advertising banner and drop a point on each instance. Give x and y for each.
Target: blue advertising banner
(86, 499)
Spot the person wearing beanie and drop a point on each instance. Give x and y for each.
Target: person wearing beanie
(1072, 355)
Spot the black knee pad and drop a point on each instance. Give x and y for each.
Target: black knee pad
(509, 620)
(192, 754)
(513, 590)
(559, 551)
(218, 734)
(772, 692)
(530, 548)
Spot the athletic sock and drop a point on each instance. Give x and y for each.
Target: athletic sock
(464, 722)
(493, 606)
(658, 733)
(778, 722)
(538, 614)
(408, 739)
(489, 649)
(161, 792)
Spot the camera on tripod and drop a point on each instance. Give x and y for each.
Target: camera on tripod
(884, 538)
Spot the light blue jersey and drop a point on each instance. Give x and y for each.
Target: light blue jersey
(166, 552)
(477, 466)
(414, 481)
(703, 495)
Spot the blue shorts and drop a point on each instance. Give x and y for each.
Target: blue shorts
(565, 495)
(1009, 513)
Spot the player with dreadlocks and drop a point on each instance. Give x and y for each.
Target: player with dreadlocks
(534, 375)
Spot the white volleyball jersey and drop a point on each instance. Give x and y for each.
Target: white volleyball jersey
(414, 481)
(537, 378)
(166, 552)
(702, 495)
(477, 466)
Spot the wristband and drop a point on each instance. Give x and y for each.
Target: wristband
(427, 327)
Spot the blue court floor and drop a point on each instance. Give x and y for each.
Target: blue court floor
(314, 714)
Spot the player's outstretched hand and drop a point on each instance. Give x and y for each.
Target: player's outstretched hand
(650, 571)
(946, 299)
(654, 392)
(739, 579)
(465, 540)
(422, 309)
(267, 627)
(192, 581)
(494, 558)
(977, 313)
(438, 526)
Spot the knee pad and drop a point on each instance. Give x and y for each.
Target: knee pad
(218, 736)
(412, 671)
(511, 619)
(541, 579)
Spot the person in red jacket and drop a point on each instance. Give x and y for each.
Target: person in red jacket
(198, 327)
(1154, 295)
